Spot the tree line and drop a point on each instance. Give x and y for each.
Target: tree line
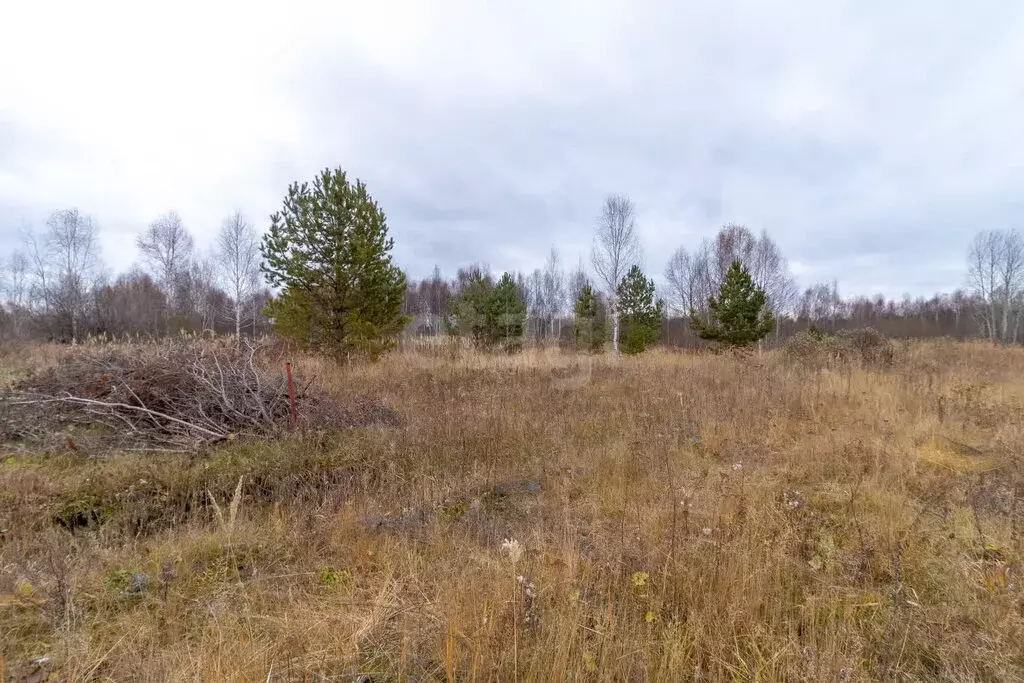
(323, 274)
(56, 286)
(990, 307)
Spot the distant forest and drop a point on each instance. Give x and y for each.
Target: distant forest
(55, 286)
(960, 314)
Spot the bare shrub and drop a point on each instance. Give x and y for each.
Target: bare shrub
(867, 345)
(863, 346)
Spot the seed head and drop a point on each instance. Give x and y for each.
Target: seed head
(513, 548)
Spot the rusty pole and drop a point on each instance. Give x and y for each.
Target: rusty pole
(291, 394)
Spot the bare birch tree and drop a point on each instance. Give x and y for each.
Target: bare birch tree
(770, 270)
(687, 290)
(983, 274)
(554, 292)
(616, 249)
(39, 266)
(238, 262)
(15, 282)
(536, 304)
(64, 262)
(166, 247)
(995, 265)
(16, 289)
(200, 299)
(1012, 281)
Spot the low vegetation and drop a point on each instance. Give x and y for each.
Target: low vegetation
(825, 512)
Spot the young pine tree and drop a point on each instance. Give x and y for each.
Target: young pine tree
(641, 314)
(738, 316)
(589, 328)
(468, 311)
(506, 314)
(328, 249)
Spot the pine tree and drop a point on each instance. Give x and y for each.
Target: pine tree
(506, 314)
(468, 311)
(641, 314)
(328, 249)
(738, 316)
(589, 326)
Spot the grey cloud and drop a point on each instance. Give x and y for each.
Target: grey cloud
(870, 140)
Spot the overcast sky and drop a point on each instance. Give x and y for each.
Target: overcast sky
(871, 139)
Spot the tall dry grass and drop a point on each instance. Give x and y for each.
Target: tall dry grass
(680, 517)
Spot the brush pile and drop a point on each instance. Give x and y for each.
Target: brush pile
(181, 396)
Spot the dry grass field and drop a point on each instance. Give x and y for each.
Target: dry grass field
(545, 517)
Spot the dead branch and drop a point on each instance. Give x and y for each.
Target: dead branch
(122, 406)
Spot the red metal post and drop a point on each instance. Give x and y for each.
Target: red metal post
(291, 394)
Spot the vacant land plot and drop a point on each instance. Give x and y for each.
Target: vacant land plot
(546, 516)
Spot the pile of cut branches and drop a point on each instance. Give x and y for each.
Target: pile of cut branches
(181, 395)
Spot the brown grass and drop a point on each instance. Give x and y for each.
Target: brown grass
(682, 517)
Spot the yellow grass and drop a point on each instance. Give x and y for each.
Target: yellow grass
(682, 517)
